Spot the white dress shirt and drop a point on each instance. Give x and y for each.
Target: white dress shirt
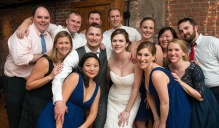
(134, 35)
(77, 40)
(70, 62)
(207, 54)
(82, 35)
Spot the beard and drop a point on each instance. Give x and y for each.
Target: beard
(189, 38)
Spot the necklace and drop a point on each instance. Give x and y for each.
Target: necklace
(123, 62)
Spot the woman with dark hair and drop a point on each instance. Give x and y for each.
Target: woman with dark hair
(79, 91)
(167, 100)
(123, 98)
(165, 36)
(205, 109)
(39, 82)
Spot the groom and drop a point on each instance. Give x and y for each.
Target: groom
(94, 36)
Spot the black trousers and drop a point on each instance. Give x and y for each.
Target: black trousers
(215, 91)
(15, 88)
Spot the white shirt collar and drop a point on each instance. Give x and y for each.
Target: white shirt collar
(199, 39)
(88, 50)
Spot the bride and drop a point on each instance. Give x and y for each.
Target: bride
(123, 98)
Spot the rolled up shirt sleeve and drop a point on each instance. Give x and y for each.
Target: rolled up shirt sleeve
(69, 63)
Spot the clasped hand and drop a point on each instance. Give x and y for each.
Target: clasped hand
(59, 111)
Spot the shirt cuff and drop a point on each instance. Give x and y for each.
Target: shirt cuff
(57, 97)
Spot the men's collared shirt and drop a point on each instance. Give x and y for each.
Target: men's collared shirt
(70, 62)
(77, 40)
(22, 51)
(134, 35)
(207, 55)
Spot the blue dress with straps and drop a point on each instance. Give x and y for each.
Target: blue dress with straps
(75, 116)
(179, 107)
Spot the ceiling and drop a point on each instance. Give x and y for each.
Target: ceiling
(4, 4)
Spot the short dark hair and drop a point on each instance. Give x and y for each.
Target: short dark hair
(191, 21)
(165, 29)
(36, 7)
(74, 12)
(94, 25)
(94, 12)
(112, 10)
(147, 18)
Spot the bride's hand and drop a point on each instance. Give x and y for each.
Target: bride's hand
(123, 118)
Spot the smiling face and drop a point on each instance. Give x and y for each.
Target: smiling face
(119, 43)
(115, 19)
(63, 46)
(94, 18)
(94, 37)
(147, 29)
(91, 67)
(177, 51)
(41, 19)
(188, 32)
(73, 23)
(165, 38)
(145, 58)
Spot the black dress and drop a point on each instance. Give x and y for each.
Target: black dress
(35, 101)
(205, 114)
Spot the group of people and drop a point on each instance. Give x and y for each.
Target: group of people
(58, 77)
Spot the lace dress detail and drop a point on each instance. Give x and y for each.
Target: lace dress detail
(205, 114)
(194, 77)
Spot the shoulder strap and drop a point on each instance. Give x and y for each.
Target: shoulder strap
(95, 92)
(51, 66)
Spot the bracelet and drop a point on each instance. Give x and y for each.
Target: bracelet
(126, 111)
(157, 119)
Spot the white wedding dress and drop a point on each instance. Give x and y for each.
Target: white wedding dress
(118, 98)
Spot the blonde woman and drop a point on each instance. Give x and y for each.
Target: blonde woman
(39, 82)
(167, 100)
(205, 112)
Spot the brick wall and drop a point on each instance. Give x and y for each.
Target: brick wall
(198, 10)
(10, 19)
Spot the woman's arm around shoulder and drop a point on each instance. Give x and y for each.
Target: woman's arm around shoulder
(188, 89)
(93, 111)
(133, 50)
(159, 55)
